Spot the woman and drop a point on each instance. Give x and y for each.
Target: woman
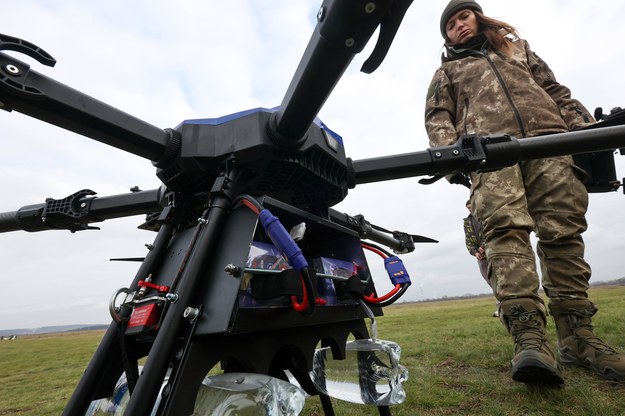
(491, 82)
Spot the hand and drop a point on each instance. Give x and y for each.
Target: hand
(479, 254)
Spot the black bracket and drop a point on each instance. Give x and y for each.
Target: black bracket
(13, 73)
(71, 213)
(10, 43)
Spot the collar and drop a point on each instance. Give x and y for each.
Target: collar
(477, 43)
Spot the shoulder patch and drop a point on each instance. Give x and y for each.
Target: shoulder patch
(432, 89)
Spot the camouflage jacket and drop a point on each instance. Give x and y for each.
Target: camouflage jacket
(486, 92)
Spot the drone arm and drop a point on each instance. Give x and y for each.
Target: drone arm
(9, 222)
(476, 153)
(398, 241)
(343, 29)
(77, 211)
(33, 94)
(125, 205)
(575, 142)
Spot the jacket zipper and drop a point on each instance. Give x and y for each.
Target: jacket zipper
(517, 115)
(515, 110)
(466, 113)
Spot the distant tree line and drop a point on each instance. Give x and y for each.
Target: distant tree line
(616, 282)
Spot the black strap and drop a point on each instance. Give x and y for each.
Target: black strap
(131, 367)
(267, 286)
(351, 287)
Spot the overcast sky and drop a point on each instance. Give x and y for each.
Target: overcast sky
(165, 62)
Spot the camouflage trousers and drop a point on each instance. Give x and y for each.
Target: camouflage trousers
(542, 196)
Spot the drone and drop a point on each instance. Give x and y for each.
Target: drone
(251, 268)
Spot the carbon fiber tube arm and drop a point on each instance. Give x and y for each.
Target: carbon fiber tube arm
(77, 211)
(29, 92)
(477, 153)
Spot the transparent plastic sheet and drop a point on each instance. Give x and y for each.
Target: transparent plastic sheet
(242, 394)
(248, 394)
(369, 374)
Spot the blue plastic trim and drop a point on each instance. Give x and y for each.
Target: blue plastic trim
(227, 118)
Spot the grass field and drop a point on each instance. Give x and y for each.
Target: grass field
(457, 354)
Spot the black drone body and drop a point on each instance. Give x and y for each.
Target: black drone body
(220, 179)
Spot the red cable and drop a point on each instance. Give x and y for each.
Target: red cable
(300, 307)
(373, 299)
(385, 297)
(250, 206)
(375, 250)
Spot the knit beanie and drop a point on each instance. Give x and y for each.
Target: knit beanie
(455, 6)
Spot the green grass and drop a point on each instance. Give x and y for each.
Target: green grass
(457, 354)
(38, 373)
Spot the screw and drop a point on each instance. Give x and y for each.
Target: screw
(171, 297)
(191, 313)
(179, 354)
(150, 246)
(202, 221)
(321, 14)
(438, 154)
(369, 7)
(349, 42)
(455, 153)
(231, 269)
(12, 69)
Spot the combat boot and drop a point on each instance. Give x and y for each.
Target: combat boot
(577, 343)
(534, 362)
